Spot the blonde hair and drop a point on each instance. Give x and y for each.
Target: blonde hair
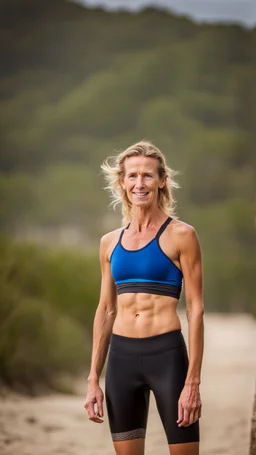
(114, 170)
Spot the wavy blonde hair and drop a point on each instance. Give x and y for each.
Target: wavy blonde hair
(114, 170)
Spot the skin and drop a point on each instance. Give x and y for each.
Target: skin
(144, 315)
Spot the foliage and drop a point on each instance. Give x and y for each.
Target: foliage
(47, 304)
(76, 85)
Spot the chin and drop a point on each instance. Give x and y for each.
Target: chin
(142, 204)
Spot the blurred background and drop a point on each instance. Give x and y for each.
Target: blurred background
(77, 84)
(79, 81)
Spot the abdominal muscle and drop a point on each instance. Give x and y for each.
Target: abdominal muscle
(143, 315)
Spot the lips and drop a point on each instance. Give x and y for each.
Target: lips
(140, 194)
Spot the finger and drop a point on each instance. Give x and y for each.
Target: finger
(191, 418)
(90, 409)
(196, 415)
(185, 419)
(96, 419)
(91, 413)
(180, 413)
(97, 416)
(100, 407)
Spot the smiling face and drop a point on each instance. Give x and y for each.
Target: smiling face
(141, 181)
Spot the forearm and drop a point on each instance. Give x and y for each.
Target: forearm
(196, 344)
(102, 329)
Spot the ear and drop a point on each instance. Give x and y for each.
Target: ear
(163, 182)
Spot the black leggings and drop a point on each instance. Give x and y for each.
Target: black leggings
(136, 366)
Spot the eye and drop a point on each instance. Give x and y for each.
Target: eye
(148, 175)
(131, 176)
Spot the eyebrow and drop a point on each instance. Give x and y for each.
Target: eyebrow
(135, 172)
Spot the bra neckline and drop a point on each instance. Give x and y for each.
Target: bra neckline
(156, 238)
(139, 249)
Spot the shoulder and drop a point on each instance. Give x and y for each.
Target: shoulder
(108, 241)
(184, 233)
(107, 238)
(181, 228)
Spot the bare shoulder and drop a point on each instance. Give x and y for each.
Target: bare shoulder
(108, 241)
(184, 233)
(107, 238)
(182, 228)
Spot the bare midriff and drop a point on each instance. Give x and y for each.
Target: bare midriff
(143, 315)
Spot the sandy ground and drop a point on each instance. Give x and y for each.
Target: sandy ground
(58, 424)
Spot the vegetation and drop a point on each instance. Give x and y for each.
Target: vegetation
(76, 84)
(47, 304)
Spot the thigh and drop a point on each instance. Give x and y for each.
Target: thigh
(127, 398)
(167, 383)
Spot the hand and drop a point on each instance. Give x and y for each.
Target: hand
(94, 403)
(189, 405)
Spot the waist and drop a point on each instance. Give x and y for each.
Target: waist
(143, 315)
(147, 345)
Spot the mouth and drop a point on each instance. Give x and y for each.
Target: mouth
(140, 194)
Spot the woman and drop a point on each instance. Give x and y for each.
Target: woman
(143, 266)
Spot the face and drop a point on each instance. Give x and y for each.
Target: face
(141, 180)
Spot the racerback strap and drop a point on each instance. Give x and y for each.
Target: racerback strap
(122, 233)
(162, 228)
(160, 231)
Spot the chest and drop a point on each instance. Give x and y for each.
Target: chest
(137, 241)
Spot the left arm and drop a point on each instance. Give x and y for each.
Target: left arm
(191, 265)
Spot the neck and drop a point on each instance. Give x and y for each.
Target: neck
(142, 218)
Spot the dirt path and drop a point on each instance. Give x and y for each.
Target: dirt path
(58, 424)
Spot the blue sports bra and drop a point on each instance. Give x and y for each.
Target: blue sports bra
(147, 270)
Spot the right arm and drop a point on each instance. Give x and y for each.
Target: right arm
(102, 329)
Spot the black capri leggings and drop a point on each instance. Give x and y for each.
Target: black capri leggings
(136, 366)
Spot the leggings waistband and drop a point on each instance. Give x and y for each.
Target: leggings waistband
(147, 345)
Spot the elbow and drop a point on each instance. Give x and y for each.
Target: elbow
(107, 310)
(195, 311)
(111, 309)
(111, 313)
(199, 310)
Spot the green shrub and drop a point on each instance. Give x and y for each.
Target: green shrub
(36, 345)
(47, 303)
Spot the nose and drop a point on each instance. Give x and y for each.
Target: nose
(140, 182)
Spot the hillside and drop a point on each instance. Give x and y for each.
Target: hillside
(76, 84)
